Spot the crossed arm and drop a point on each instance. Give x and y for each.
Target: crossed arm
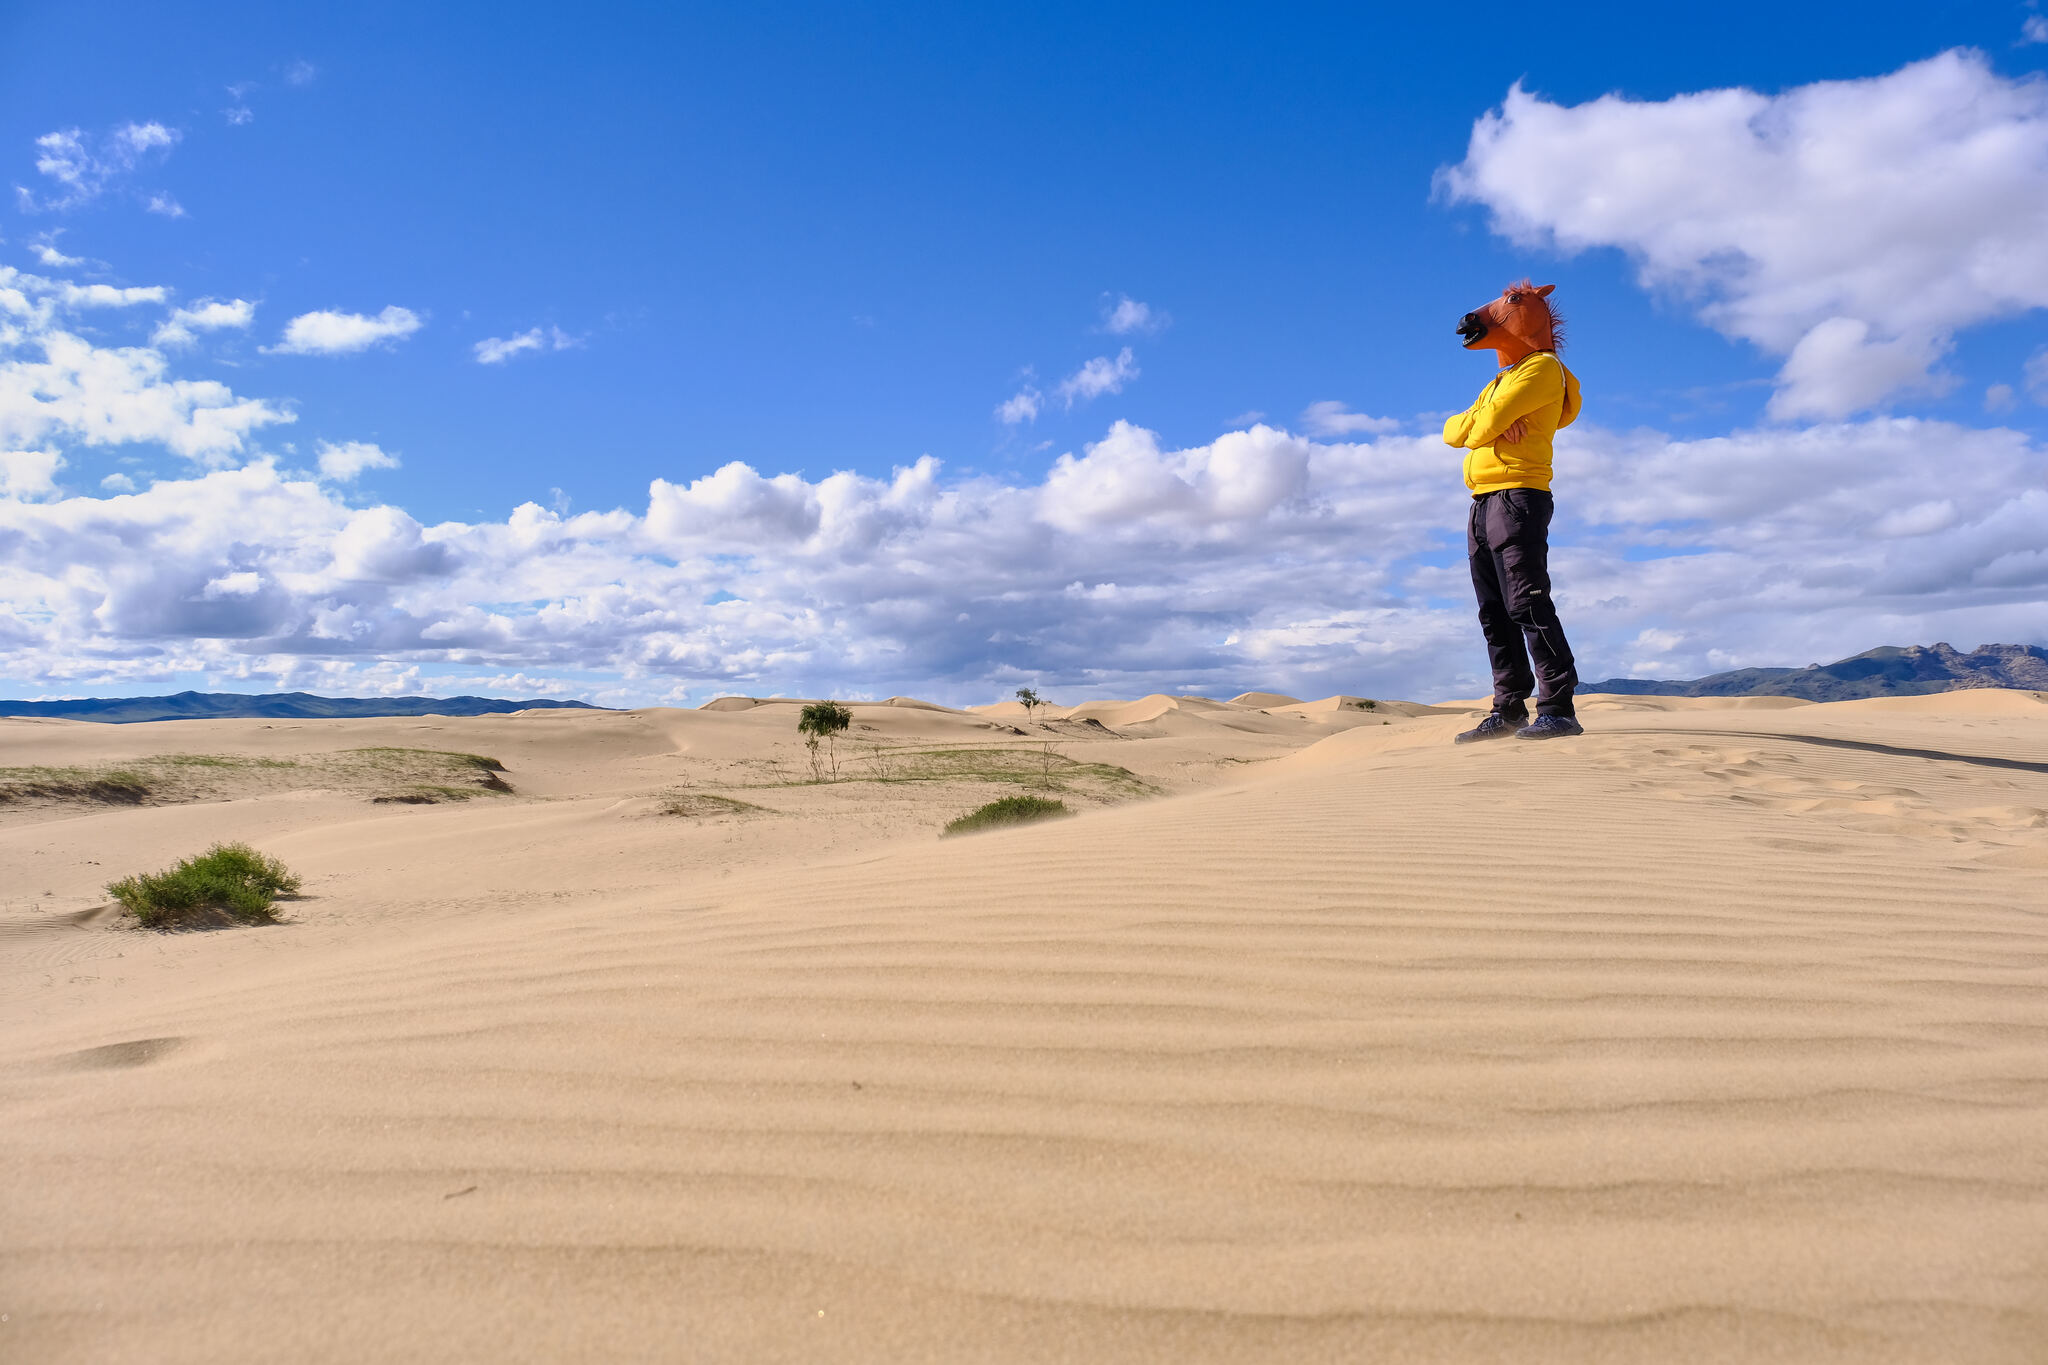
(1501, 418)
(1512, 433)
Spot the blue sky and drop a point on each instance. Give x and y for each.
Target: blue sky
(820, 240)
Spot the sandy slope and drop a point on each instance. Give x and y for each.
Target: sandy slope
(1719, 1034)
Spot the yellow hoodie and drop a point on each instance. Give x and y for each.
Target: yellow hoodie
(1537, 387)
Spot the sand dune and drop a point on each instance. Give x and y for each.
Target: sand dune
(1598, 702)
(1263, 700)
(1719, 1034)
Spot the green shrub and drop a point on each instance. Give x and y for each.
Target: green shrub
(823, 721)
(228, 879)
(1010, 810)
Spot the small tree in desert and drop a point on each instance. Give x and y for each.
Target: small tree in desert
(821, 723)
(1032, 701)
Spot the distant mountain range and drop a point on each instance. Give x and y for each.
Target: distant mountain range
(270, 705)
(1888, 671)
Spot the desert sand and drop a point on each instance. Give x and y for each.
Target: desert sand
(1718, 1034)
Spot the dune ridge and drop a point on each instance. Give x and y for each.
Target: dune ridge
(1717, 1035)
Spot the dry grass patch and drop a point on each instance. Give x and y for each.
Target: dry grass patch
(704, 805)
(160, 779)
(85, 786)
(422, 777)
(408, 776)
(1038, 766)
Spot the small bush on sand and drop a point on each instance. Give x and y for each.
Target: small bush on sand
(823, 720)
(1011, 810)
(228, 879)
(878, 759)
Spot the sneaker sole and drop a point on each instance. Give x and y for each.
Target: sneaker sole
(1469, 738)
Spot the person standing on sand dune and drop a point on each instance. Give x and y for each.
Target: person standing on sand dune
(1506, 435)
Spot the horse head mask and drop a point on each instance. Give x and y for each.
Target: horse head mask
(1518, 323)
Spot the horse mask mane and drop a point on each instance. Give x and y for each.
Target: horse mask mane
(1523, 312)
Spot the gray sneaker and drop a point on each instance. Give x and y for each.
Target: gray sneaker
(1495, 726)
(1551, 727)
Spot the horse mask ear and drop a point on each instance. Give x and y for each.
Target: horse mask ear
(1528, 316)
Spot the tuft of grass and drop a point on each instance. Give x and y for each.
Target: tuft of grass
(699, 805)
(233, 880)
(1010, 810)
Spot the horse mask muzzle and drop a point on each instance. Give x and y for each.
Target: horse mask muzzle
(1471, 327)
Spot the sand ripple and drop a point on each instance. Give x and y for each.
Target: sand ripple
(1660, 1047)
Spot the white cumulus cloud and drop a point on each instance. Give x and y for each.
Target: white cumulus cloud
(29, 473)
(109, 296)
(498, 350)
(1852, 227)
(1021, 406)
(83, 167)
(1126, 484)
(345, 461)
(337, 333)
(1099, 376)
(1127, 315)
(110, 396)
(181, 328)
(47, 253)
(1264, 557)
(1331, 418)
(58, 388)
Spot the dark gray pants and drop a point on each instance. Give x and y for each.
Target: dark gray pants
(1508, 542)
